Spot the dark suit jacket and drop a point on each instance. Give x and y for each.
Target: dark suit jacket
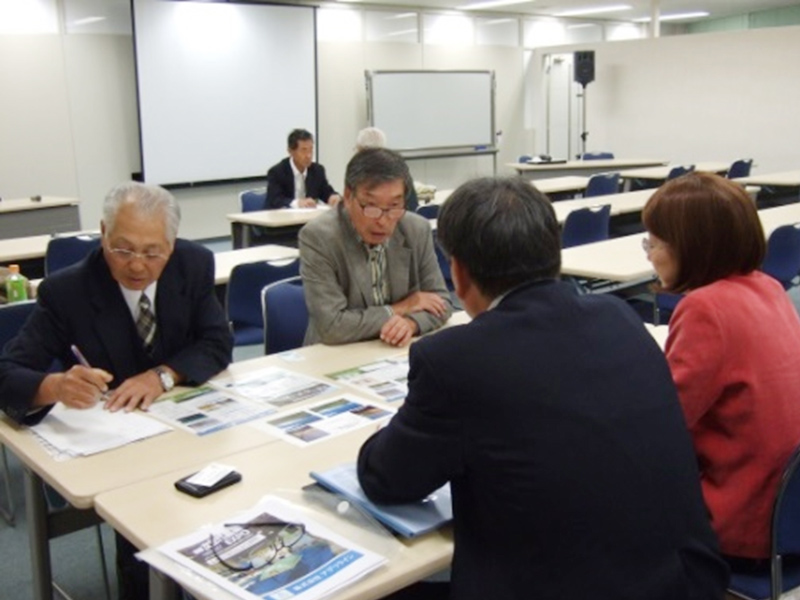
(280, 184)
(556, 421)
(83, 305)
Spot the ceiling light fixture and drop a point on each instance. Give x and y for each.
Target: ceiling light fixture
(581, 12)
(492, 4)
(676, 17)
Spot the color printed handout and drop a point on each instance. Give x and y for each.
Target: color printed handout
(274, 386)
(204, 410)
(328, 419)
(387, 379)
(273, 552)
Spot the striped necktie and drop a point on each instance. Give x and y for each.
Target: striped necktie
(146, 323)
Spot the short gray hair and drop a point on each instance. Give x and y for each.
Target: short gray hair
(150, 200)
(370, 137)
(373, 166)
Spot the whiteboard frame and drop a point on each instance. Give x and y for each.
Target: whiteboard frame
(437, 151)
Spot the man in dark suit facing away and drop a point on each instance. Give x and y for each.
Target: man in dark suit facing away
(297, 181)
(554, 417)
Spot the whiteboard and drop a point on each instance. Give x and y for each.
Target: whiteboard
(219, 91)
(431, 110)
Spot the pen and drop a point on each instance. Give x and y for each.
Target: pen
(82, 360)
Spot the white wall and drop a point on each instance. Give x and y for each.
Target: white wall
(718, 96)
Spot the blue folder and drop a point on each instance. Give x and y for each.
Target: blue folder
(408, 520)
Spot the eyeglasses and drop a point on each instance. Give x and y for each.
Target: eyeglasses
(648, 245)
(255, 545)
(375, 212)
(129, 255)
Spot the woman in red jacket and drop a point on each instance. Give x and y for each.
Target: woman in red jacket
(733, 348)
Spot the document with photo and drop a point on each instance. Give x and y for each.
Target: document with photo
(273, 552)
(325, 420)
(274, 386)
(387, 379)
(204, 410)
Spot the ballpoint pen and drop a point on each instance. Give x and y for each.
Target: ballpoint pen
(82, 360)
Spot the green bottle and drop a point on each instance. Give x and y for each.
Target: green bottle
(16, 285)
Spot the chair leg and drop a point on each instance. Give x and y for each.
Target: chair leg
(7, 513)
(103, 565)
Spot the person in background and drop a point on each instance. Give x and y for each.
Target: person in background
(554, 418)
(297, 181)
(733, 349)
(372, 137)
(141, 310)
(369, 268)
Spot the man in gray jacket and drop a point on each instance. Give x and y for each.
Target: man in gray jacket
(369, 268)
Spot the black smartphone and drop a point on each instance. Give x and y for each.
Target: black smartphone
(199, 491)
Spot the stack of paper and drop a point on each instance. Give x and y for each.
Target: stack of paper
(68, 432)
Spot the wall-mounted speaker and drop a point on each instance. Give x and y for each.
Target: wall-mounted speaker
(584, 67)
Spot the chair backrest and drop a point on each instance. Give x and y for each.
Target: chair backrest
(64, 251)
(602, 184)
(285, 315)
(679, 170)
(444, 264)
(597, 155)
(12, 318)
(586, 225)
(429, 211)
(786, 512)
(243, 297)
(782, 260)
(523, 158)
(255, 199)
(663, 306)
(740, 168)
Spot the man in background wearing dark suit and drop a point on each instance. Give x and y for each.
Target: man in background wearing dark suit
(554, 417)
(142, 311)
(297, 181)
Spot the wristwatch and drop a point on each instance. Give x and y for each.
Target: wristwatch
(167, 382)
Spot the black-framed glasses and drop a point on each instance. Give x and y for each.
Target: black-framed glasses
(376, 212)
(254, 545)
(128, 255)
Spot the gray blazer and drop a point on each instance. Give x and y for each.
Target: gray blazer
(338, 287)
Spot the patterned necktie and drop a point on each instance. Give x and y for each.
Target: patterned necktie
(299, 186)
(146, 323)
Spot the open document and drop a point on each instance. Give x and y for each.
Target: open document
(274, 386)
(273, 551)
(68, 432)
(387, 379)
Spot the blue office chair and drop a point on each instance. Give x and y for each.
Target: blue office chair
(586, 225)
(602, 184)
(429, 211)
(64, 251)
(777, 576)
(679, 170)
(664, 304)
(12, 318)
(597, 156)
(253, 200)
(285, 315)
(782, 260)
(243, 297)
(740, 168)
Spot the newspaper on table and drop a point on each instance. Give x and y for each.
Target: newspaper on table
(68, 432)
(322, 421)
(274, 386)
(205, 409)
(387, 379)
(273, 552)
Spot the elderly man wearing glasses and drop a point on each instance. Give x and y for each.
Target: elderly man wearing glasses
(135, 317)
(369, 268)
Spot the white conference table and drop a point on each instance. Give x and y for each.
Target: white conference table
(780, 179)
(278, 225)
(538, 171)
(551, 185)
(623, 260)
(225, 261)
(662, 172)
(81, 480)
(46, 215)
